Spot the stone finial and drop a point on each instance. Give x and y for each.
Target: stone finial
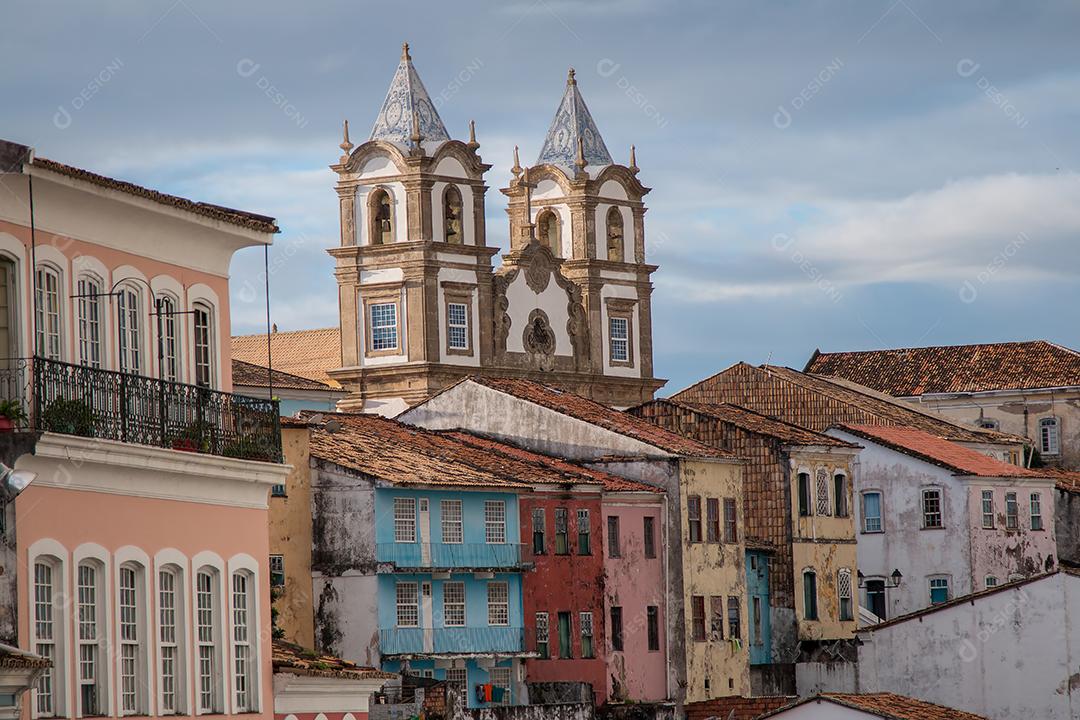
(405, 52)
(579, 161)
(517, 163)
(416, 137)
(633, 161)
(346, 145)
(570, 79)
(472, 144)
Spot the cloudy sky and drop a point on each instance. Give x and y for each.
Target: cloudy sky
(834, 174)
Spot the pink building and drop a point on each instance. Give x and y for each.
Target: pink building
(136, 484)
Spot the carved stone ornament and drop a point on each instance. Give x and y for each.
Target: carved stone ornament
(539, 264)
(538, 338)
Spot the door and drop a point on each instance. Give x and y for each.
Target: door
(425, 614)
(425, 533)
(875, 597)
(564, 635)
(757, 587)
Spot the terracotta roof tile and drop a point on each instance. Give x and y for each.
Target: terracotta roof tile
(909, 372)
(817, 403)
(306, 353)
(592, 412)
(736, 708)
(889, 706)
(923, 445)
(252, 375)
(295, 660)
(1067, 480)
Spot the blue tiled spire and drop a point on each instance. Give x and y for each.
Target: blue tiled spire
(406, 99)
(573, 121)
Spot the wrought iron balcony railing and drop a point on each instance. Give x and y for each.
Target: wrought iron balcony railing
(71, 399)
(452, 640)
(450, 555)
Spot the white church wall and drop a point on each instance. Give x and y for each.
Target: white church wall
(522, 301)
(459, 276)
(622, 292)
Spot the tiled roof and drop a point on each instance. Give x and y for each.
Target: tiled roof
(1067, 480)
(252, 375)
(817, 403)
(402, 454)
(307, 353)
(908, 372)
(568, 470)
(13, 657)
(887, 705)
(947, 454)
(594, 413)
(295, 660)
(756, 422)
(736, 708)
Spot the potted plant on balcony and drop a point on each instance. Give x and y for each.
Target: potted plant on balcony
(69, 417)
(12, 415)
(194, 438)
(248, 449)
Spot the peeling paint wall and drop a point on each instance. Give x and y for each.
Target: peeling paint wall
(290, 537)
(1005, 655)
(1067, 526)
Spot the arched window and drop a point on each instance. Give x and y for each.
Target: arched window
(133, 655)
(547, 231)
(840, 495)
(204, 345)
(822, 491)
(615, 235)
(172, 636)
(452, 216)
(208, 641)
(47, 312)
(1049, 436)
(91, 638)
(843, 594)
(810, 595)
(129, 319)
(381, 211)
(804, 494)
(90, 317)
(245, 642)
(170, 339)
(49, 619)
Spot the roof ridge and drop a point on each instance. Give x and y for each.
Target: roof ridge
(823, 353)
(279, 372)
(285, 332)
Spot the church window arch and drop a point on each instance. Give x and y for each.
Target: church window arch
(615, 235)
(453, 212)
(547, 231)
(381, 212)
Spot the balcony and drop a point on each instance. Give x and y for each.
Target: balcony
(71, 399)
(450, 556)
(452, 641)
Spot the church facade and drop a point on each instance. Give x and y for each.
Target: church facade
(421, 302)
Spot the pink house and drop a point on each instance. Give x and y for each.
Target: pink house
(136, 483)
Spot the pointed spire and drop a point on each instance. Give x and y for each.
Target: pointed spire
(346, 145)
(517, 163)
(573, 130)
(633, 161)
(408, 107)
(472, 145)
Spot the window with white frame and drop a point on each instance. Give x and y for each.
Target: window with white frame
(170, 341)
(244, 641)
(47, 313)
(89, 307)
(129, 326)
(495, 521)
(1049, 436)
(407, 605)
(458, 679)
(404, 520)
(585, 622)
(454, 604)
(204, 344)
(931, 508)
(542, 637)
(171, 639)
(619, 339)
(207, 634)
(277, 571)
(871, 507)
(132, 605)
(384, 329)
(48, 636)
(988, 509)
(498, 603)
(1012, 511)
(500, 678)
(1036, 511)
(990, 581)
(843, 593)
(822, 488)
(452, 531)
(457, 326)
(939, 590)
(90, 601)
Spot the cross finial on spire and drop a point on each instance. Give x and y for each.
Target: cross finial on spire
(570, 79)
(472, 136)
(405, 52)
(517, 163)
(633, 161)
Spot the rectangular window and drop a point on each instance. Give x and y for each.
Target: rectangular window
(46, 642)
(1012, 511)
(89, 322)
(384, 329)
(872, 512)
(731, 529)
(562, 543)
(614, 547)
(565, 631)
(206, 637)
(619, 339)
(734, 619)
(539, 530)
(988, 509)
(840, 495)
(167, 636)
(990, 581)
(1036, 511)
(542, 647)
(48, 313)
(458, 679)
(408, 604)
(495, 521)
(278, 491)
(652, 619)
(457, 326)
(712, 520)
(129, 324)
(584, 533)
(716, 617)
(697, 617)
(823, 492)
(498, 596)
(693, 516)
(204, 338)
(454, 604)
(649, 529)
(129, 642)
(939, 590)
(585, 621)
(243, 668)
(931, 506)
(404, 520)
(810, 596)
(89, 639)
(500, 678)
(616, 628)
(452, 531)
(804, 495)
(843, 593)
(277, 571)
(1049, 436)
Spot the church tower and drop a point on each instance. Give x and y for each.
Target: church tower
(420, 304)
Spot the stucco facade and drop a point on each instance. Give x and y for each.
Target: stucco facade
(290, 539)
